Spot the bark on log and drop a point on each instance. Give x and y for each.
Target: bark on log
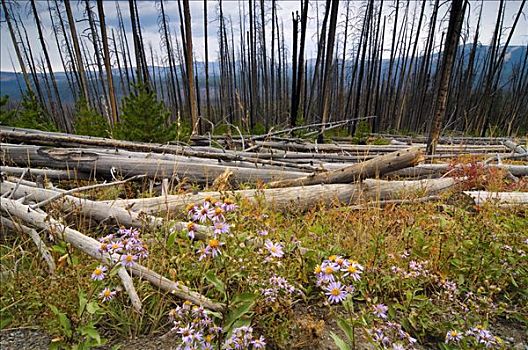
(91, 246)
(102, 164)
(512, 198)
(296, 198)
(439, 169)
(94, 209)
(370, 168)
(52, 174)
(369, 149)
(55, 139)
(514, 147)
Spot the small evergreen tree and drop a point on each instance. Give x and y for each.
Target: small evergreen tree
(144, 118)
(89, 122)
(7, 116)
(30, 116)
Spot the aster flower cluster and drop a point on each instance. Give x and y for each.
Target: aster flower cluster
(415, 269)
(195, 329)
(390, 335)
(126, 244)
(211, 213)
(278, 287)
(193, 326)
(243, 338)
(336, 276)
(475, 335)
(449, 289)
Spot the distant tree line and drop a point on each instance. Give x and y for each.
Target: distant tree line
(260, 81)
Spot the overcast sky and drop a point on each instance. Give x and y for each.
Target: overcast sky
(148, 11)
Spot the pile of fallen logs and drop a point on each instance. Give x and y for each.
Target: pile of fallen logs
(285, 173)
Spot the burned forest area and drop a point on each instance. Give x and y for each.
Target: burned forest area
(255, 174)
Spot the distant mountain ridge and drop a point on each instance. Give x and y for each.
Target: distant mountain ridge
(12, 83)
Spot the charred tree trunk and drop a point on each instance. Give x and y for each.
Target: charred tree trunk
(456, 17)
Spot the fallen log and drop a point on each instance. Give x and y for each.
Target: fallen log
(509, 198)
(91, 247)
(55, 139)
(103, 164)
(370, 168)
(440, 169)
(515, 147)
(373, 149)
(99, 211)
(52, 174)
(295, 198)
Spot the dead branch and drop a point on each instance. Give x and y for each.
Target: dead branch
(91, 247)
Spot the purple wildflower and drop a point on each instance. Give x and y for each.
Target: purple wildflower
(354, 270)
(335, 292)
(107, 294)
(213, 248)
(259, 343)
(275, 249)
(99, 273)
(221, 227)
(453, 336)
(127, 260)
(380, 310)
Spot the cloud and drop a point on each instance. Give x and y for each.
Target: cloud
(234, 10)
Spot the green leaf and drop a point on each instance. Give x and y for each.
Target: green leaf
(219, 285)
(171, 239)
(63, 320)
(5, 319)
(345, 326)
(90, 331)
(340, 343)
(237, 313)
(92, 307)
(244, 297)
(82, 303)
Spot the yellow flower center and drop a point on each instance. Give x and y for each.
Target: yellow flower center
(107, 292)
(218, 211)
(129, 258)
(329, 270)
(214, 243)
(273, 249)
(332, 257)
(335, 292)
(352, 269)
(190, 226)
(318, 269)
(98, 271)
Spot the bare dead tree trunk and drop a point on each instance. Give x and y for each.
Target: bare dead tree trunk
(456, 17)
(329, 63)
(17, 49)
(207, 92)
(196, 128)
(108, 66)
(65, 123)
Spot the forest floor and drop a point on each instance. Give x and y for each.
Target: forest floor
(333, 277)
